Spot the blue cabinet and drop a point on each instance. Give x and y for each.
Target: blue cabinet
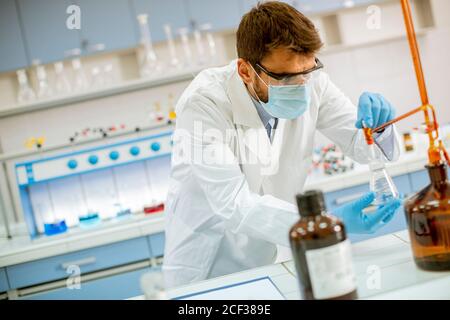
(419, 180)
(12, 49)
(107, 22)
(156, 242)
(44, 25)
(159, 12)
(221, 14)
(120, 286)
(89, 260)
(4, 286)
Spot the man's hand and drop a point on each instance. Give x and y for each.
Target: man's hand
(356, 221)
(374, 110)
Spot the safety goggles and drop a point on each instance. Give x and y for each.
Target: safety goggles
(299, 78)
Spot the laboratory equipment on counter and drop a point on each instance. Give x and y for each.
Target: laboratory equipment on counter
(80, 181)
(381, 183)
(427, 212)
(62, 83)
(183, 32)
(428, 217)
(408, 142)
(321, 251)
(172, 114)
(149, 65)
(174, 61)
(43, 88)
(25, 92)
(45, 207)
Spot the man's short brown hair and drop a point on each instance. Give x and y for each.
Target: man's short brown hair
(275, 24)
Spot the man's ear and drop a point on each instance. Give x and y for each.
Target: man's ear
(244, 70)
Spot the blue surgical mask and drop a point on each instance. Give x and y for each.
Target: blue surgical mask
(287, 102)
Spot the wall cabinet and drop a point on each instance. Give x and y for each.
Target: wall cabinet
(12, 48)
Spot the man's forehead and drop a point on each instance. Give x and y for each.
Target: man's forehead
(285, 60)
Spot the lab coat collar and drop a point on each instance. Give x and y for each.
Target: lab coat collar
(244, 111)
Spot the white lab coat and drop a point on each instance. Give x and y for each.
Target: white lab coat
(232, 215)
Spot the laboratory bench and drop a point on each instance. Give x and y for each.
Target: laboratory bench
(110, 261)
(113, 255)
(384, 269)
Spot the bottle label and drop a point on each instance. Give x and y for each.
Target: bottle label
(331, 270)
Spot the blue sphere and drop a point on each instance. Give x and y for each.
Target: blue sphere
(155, 146)
(134, 151)
(72, 164)
(114, 155)
(93, 159)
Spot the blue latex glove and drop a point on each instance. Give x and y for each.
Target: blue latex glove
(356, 221)
(374, 110)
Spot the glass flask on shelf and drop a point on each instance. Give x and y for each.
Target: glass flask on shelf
(62, 83)
(174, 61)
(188, 60)
(80, 81)
(428, 217)
(201, 56)
(211, 42)
(25, 93)
(43, 88)
(380, 181)
(149, 65)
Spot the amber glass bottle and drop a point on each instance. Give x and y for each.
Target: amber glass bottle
(428, 217)
(321, 252)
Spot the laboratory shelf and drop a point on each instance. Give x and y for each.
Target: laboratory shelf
(127, 86)
(110, 138)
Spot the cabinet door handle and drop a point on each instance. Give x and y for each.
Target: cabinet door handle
(350, 198)
(80, 262)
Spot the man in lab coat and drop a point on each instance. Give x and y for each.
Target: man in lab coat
(243, 145)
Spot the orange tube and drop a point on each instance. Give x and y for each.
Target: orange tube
(414, 51)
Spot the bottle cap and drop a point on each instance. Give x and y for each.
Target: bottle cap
(311, 203)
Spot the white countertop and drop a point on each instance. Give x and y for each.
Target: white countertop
(389, 255)
(22, 249)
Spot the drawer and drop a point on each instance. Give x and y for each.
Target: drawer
(89, 260)
(419, 180)
(156, 242)
(3, 280)
(120, 286)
